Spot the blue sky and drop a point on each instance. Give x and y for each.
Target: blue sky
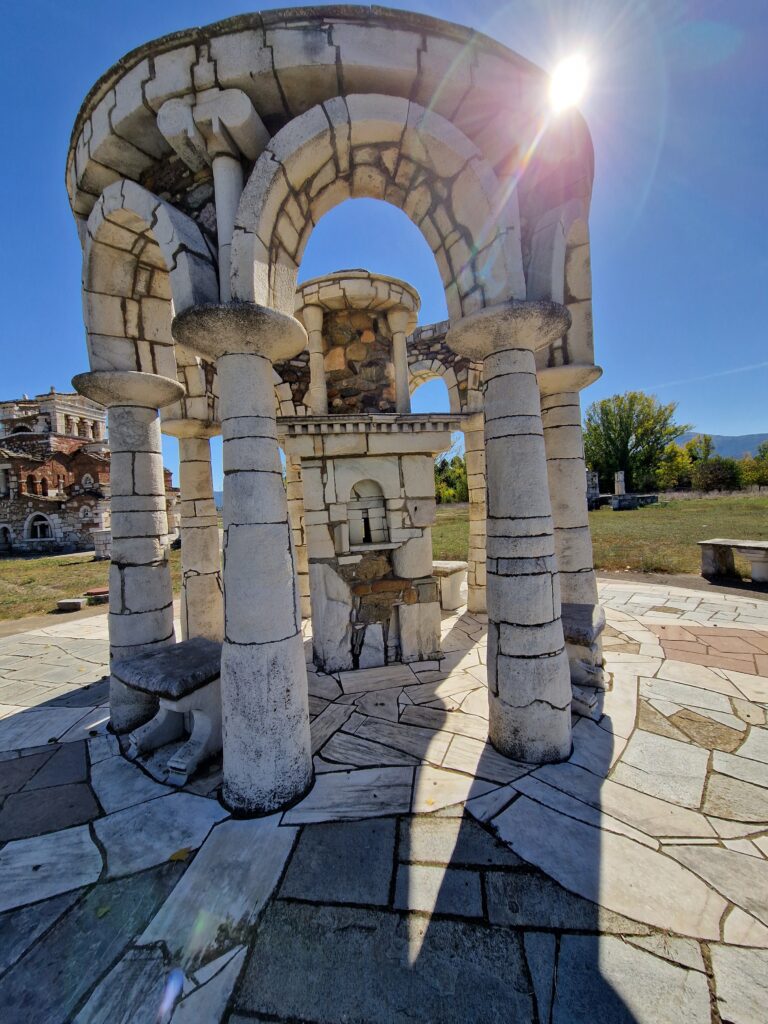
(676, 107)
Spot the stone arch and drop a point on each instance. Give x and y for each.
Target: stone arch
(145, 261)
(380, 147)
(22, 428)
(422, 370)
(31, 484)
(38, 527)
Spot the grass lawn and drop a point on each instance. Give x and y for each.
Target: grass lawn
(659, 538)
(32, 586)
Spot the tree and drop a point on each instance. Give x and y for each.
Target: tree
(629, 432)
(700, 448)
(762, 451)
(716, 474)
(674, 469)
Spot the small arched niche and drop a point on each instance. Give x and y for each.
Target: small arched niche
(367, 514)
(39, 528)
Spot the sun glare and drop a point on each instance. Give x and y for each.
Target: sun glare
(568, 82)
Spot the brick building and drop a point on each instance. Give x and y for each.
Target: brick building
(54, 474)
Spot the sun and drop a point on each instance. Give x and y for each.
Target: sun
(568, 82)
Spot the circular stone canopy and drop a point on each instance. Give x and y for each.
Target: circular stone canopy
(358, 289)
(288, 61)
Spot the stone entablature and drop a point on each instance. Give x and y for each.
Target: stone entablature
(67, 414)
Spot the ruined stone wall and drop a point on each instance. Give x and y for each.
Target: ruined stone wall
(71, 522)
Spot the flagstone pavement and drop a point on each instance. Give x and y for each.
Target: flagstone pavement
(424, 877)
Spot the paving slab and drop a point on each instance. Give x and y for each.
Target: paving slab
(743, 880)
(35, 812)
(131, 993)
(663, 768)
(379, 968)
(622, 984)
(741, 979)
(347, 796)
(208, 1002)
(81, 948)
(224, 889)
(147, 834)
(347, 862)
(21, 928)
(37, 868)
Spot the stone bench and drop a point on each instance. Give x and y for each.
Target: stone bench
(451, 576)
(185, 678)
(717, 557)
(71, 604)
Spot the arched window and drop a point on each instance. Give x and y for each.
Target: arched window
(40, 528)
(31, 485)
(367, 513)
(44, 487)
(85, 512)
(22, 429)
(87, 482)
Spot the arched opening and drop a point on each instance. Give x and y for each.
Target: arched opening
(6, 541)
(44, 487)
(22, 429)
(39, 528)
(367, 513)
(31, 485)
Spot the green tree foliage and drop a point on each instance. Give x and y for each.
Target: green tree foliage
(762, 451)
(451, 480)
(675, 468)
(629, 432)
(716, 474)
(700, 448)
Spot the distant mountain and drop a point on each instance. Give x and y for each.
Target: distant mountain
(730, 446)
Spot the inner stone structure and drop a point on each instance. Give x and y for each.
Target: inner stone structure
(198, 168)
(367, 474)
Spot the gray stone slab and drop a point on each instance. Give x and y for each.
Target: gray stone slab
(611, 869)
(607, 978)
(173, 671)
(380, 704)
(19, 929)
(741, 979)
(131, 993)
(46, 810)
(426, 744)
(17, 772)
(731, 798)
(47, 984)
(206, 1005)
(439, 889)
(348, 796)
(738, 767)
(223, 890)
(664, 768)
(342, 963)
(741, 879)
(349, 862)
(35, 869)
(67, 765)
(36, 726)
(528, 899)
(456, 841)
(118, 784)
(327, 722)
(540, 952)
(382, 678)
(344, 748)
(140, 837)
(755, 746)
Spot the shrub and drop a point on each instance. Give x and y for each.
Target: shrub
(716, 474)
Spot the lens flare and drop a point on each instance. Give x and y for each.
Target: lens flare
(568, 82)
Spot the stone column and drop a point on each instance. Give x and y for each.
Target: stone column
(202, 601)
(228, 187)
(267, 750)
(474, 453)
(295, 495)
(398, 323)
(567, 474)
(140, 592)
(529, 687)
(318, 388)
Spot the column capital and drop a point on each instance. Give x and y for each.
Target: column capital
(215, 330)
(128, 387)
(190, 428)
(513, 324)
(401, 319)
(222, 122)
(311, 316)
(554, 380)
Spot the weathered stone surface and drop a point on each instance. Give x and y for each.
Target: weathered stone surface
(20, 928)
(119, 784)
(663, 768)
(343, 863)
(147, 834)
(223, 890)
(437, 889)
(742, 986)
(611, 870)
(626, 984)
(731, 798)
(744, 880)
(440, 970)
(34, 869)
(208, 1002)
(81, 947)
(460, 842)
(131, 993)
(46, 810)
(67, 766)
(346, 796)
